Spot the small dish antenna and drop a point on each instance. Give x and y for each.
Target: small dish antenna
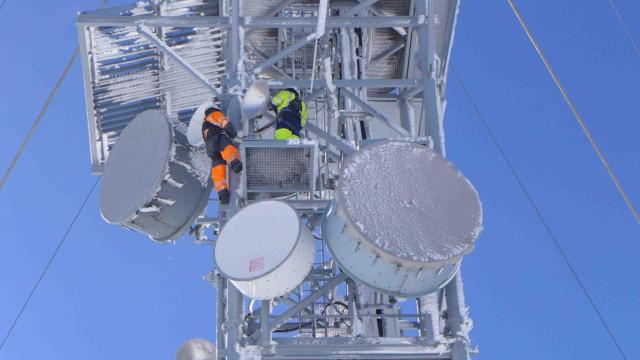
(197, 349)
(265, 250)
(256, 100)
(194, 131)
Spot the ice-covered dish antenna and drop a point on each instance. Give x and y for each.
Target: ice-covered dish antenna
(153, 181)
(402, 218)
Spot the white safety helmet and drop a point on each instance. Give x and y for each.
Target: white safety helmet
(295, 89)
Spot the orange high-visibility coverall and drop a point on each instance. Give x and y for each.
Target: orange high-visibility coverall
(216, 130)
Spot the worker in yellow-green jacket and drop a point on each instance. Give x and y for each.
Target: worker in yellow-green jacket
(291, 113)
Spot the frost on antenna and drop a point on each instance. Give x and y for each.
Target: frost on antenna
(410, 202)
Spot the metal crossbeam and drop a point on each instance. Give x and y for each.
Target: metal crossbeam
(154, 21)
(149, 35)
(354, 83)
(331, 139)
(336, 22)
(342, 145)
(385, 54)
(401, 31)
(276, 322)
(250, 23)
(278, 8)
(399, 348)
(264, 57)
(283, 53)
(358, 8)
(377, 114)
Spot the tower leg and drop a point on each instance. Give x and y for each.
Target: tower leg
(429, 309)
(221, 306)
(458, 321)
(233, 324)
(265, 322)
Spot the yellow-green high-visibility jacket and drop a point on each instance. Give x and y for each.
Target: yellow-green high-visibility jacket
(291, 111)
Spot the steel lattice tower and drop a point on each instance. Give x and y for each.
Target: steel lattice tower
(380, 72)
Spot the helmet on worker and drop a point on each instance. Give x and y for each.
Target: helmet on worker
(214, 116)
(212, 112)
(295, 90)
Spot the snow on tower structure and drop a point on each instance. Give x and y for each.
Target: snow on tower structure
(365, 75)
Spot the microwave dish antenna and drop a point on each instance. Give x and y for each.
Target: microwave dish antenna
(402, 218)
(150, 182)
(265, 250)
(194, 130)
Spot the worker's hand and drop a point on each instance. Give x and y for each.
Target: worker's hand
(240, 134)
(237, 140)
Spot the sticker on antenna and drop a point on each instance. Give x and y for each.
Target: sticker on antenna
(256, 264)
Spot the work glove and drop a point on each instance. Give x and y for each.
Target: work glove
(236, 166)
(223, 196)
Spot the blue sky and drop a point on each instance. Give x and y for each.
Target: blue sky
(114, 294)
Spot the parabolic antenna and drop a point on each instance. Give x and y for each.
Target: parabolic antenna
(256, 100)
(194, 131)
(265, 250)
(150, 182)
(402, 218)
(197, 349)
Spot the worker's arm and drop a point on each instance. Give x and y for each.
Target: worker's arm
(230, 130)
(279, 100)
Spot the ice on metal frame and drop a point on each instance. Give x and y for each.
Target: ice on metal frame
(126, 75)
(410, 202)
(301, 141)
(199, 164)
(323, 6)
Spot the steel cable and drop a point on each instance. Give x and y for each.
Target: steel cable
(48, 265)
(42, 112)
(624, 27)
(577, 115)
(536, 209)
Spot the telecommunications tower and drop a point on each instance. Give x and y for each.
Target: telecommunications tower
(344, 244)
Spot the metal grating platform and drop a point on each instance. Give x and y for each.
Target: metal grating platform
(279, 166)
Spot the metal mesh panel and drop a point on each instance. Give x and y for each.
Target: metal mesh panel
(278, 169)
(126, 75)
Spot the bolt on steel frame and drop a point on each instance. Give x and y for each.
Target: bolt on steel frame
(331, 316)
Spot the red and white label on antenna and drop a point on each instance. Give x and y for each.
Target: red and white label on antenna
(256, 264)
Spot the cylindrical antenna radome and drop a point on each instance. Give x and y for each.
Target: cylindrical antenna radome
(197, 349)
(153, 181)
(402, 218)
(265, 250)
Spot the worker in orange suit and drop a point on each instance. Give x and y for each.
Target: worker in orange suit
(217, 133)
